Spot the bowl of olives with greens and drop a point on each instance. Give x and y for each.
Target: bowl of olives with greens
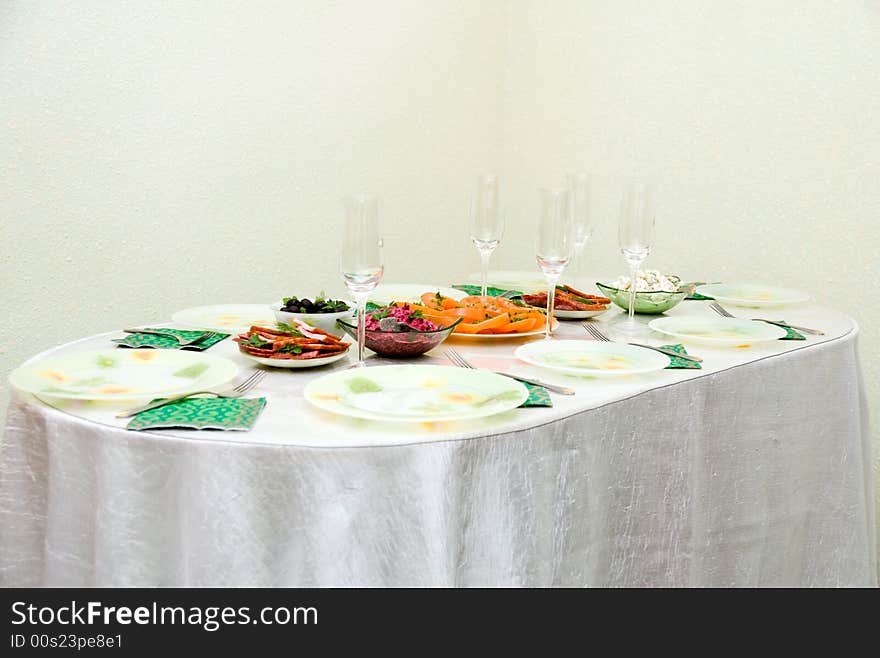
(319, 311)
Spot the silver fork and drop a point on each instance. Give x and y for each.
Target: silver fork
(179, 339)
(596, 333)
(458, 360)
(239, 390)
(720, 310)
(723, 312)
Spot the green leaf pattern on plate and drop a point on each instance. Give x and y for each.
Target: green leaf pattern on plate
(363, 385)
(192, 372)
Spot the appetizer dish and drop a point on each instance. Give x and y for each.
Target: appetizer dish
(401, 330)
(290, 346)
(570, 303)
(655, 292)
(648, 281)
(320, 305)
(321, 313)
(484, 316)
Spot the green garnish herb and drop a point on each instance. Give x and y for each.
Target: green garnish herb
(288, 329)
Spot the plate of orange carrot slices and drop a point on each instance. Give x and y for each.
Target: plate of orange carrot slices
(483, 317)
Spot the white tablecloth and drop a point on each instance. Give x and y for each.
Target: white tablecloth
(752, 471)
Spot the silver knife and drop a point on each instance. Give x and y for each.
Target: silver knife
(686, 357)
(805, 330)
(534, 382)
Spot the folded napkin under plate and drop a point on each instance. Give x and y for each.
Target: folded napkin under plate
(201, 414)
(675, 362)
(491, 291)
(169, 343)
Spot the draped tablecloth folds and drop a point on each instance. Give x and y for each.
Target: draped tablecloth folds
(754, 470)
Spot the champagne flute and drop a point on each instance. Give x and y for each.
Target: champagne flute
(360, 260)
(635, 236)
(487, 223)
(555, 243)
(580, 186)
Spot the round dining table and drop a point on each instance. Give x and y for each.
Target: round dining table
(754, 470)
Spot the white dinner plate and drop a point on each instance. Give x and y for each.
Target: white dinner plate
(116, 374)
(752, 295)
(296, 363)
(577, 315)
(385, 293)
(592, 358)
(734, 332)
(415, 393)
(228, 318)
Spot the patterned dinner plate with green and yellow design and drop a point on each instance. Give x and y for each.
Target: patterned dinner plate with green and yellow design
(229, 318)
(732, 332)
(752, 295)
(415, 393)
(592, 358)
(122, 374)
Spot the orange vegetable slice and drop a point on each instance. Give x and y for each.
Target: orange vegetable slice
(437, 301)
(477, 327)
(523, 326)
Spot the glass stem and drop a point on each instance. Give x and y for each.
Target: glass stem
(551, 298)
(633, 275)
(579, 268)
(361, 300)
(485, 254)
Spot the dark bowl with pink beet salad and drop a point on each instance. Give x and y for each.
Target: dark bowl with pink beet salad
(399, 332)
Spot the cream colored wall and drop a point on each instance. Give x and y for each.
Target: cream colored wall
(760, 121)
(157, 156)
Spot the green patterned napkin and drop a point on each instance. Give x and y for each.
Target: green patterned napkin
(151, 340)
(791, 334)
(490, 291)
(202, 414)
(694, 294)
(538, 396)
(680, 363)
(698, 297)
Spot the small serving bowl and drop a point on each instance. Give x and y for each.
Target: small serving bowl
(401, 344)
(648, 303)
(324, 321)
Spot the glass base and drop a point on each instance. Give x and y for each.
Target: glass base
(623, 327)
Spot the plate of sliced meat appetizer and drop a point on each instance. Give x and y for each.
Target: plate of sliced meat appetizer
(295, 345)
(570, 303)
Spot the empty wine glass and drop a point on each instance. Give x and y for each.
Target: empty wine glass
(487, 223)
(580, 187)
(635, 236)
(360, 260)
(555, 244)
